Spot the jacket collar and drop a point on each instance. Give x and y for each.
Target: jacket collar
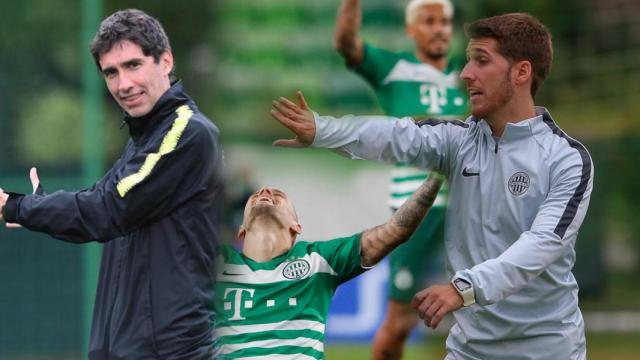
(164, 107)
(521, 129)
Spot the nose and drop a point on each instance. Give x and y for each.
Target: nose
(124, 83)
(265, 190)
(466, 73)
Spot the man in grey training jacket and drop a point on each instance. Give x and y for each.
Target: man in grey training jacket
(520, 188)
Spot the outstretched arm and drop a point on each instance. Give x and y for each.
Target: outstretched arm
(379, 241)
(346, 40)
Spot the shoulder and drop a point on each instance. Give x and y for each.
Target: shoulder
(198, 122)
(189, 128)
(383, 53)
(563, 151)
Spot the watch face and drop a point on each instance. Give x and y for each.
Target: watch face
(461, 284)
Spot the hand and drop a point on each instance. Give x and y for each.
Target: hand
(297, 118)
(3, 200)
(436, 301)
(35, 185)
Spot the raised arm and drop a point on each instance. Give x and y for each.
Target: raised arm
(346, 40)
(379, 241)
(428, 145)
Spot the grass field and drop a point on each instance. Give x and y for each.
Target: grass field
(599, 347)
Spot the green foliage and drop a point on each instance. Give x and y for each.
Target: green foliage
(50, 131)
(47, 120)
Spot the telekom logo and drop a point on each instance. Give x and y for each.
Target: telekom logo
(237, 302)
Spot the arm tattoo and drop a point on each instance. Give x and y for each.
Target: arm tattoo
(378, 242)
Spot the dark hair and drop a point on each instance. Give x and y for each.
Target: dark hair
(133, 25)
(520, 37)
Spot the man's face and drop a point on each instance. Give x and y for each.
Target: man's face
(136, 81)
(431, 30)
(487, 76)
(271, 203)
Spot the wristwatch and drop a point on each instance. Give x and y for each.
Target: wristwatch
(465, 289)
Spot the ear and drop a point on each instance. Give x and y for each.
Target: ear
(295, 229)
(166, 60)
(522, 72)
(241, 234)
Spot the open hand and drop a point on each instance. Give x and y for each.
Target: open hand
(297, 118)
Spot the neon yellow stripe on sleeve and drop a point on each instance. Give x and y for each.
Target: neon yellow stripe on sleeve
(169, 143)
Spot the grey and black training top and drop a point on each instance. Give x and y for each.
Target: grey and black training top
(515, 206)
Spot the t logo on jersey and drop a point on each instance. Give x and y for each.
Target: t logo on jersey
(237, 301)
(434, 97)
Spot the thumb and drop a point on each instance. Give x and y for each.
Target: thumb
(35, 180)
(291, 143)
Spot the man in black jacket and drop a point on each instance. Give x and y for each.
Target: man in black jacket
(156, 210)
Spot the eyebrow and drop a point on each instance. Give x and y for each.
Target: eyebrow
(477, 50)
(123, 64)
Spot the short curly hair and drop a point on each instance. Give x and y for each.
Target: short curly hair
(520, 36)
(133, 25)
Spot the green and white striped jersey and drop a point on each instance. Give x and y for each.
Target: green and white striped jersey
(278, 309)
(405, 86)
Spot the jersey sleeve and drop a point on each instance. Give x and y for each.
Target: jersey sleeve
(343, 255)
(376, 64)
(552, 234)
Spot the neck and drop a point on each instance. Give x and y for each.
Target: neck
(439, 63)
(263, 242)
(519, 108)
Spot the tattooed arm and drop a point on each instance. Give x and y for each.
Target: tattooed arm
(379, 241)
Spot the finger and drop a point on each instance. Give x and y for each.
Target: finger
(437, 318)
(290, 105)
(283, 119)
(418, 298)
(291, 143)
(35, 180)
(426, 304)
(433, 309)
(302, 101)
(291, 114)
(13, 225)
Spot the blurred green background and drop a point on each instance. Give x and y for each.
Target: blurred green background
(235, 57)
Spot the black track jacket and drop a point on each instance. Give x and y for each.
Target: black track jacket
(157, 210)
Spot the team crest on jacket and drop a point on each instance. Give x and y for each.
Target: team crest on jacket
(519, 183)
(296, 269)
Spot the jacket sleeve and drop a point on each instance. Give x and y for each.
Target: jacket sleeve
(154, 184)
(552, 234)
(427, 145)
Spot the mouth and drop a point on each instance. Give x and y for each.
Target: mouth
(264, 199)
(131, 99)
(474, 94)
